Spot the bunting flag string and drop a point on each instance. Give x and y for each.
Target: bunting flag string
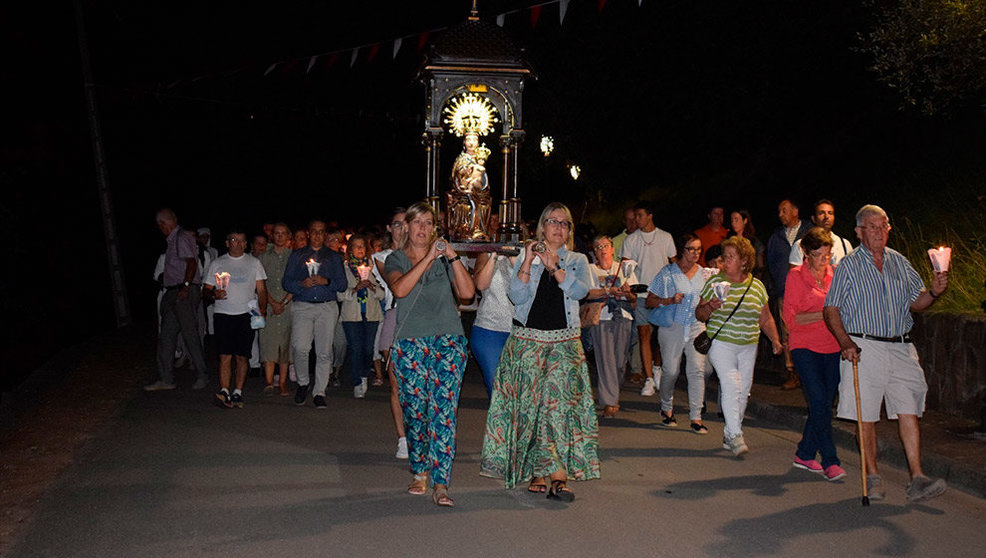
(329, 59)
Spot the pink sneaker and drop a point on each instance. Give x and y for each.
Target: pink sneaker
(808, 465)
(834, 472)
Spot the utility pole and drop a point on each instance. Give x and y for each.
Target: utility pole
(121, 303)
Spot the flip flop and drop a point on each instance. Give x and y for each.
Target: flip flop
(559, 491)
(537, 486)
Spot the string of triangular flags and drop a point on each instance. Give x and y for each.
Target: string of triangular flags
(372, 50)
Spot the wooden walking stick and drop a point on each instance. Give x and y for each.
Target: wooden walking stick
(859, 429)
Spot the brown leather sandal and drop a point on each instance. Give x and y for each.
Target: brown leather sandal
(440, 496)
(419, 485)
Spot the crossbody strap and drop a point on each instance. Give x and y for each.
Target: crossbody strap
(735, 308)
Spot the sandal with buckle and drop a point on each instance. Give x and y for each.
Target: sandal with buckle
(537, 486)
(699, 428)
(560, 491)
(440, 496)
(419, 485)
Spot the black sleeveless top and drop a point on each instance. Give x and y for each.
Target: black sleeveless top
(548, 309)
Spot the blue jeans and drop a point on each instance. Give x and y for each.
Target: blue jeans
(486, 347)
(819, 373)
(359, 337)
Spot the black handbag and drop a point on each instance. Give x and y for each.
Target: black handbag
(702, 341)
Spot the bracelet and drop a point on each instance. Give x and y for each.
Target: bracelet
(933, 295)
(455, 259)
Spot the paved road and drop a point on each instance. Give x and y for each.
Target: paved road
(175, 476)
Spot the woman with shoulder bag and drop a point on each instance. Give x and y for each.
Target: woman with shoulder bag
(735, 322)
(676, 289)
(430, 347)
(611, 304)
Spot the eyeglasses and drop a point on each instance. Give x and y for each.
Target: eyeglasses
(397, 225)
(557, 223)
(876, 228)
(693, 248)
(601, 246)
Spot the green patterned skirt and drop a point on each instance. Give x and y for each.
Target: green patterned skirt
(542, 417)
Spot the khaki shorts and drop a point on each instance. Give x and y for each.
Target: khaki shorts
(889, 373)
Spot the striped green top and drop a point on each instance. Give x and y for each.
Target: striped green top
(744, 327)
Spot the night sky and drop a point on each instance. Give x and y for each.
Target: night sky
(678, 102)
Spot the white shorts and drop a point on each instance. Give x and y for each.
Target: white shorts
(889, 373)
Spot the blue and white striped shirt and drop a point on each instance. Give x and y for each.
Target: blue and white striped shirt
(872, 302)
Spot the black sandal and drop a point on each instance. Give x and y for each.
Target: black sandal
(559, 491)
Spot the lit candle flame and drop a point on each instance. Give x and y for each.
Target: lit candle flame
(222, 280)
(312, 265)
(940, 258)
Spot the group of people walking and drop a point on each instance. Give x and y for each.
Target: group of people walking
(702, 293)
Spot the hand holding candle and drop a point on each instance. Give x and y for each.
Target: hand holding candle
(364, 272)
(940, 258)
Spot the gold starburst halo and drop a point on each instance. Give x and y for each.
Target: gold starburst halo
(470, 112)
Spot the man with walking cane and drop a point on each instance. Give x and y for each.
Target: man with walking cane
(868, 309)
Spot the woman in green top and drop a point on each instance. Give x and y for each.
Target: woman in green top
(429, 351)
(734, 323)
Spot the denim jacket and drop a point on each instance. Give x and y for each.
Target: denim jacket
(575, 286)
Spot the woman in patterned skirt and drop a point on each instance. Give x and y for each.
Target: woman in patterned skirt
(429, 349)
(542, 421)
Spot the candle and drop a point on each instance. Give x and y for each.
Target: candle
(312, 266)
(628, 267)
(222, 280)
(364, 272)
(940, 258)
(721, 289)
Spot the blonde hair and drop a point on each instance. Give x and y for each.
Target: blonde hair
(417, 210)
(570, 242)
(746, 252)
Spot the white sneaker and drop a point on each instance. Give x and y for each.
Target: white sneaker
(359, 391)
(656, 372)
(735, 444)
(648, 390)
(401, 448)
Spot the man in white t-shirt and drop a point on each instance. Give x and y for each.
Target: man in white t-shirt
(235, 280)
(652, 249)
(822, 216)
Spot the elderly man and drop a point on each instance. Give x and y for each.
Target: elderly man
(791, 229)
(314, 276)
(244, 281)
(182, 281)
(823, 215)
(868, 309)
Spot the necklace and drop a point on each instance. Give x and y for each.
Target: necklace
(652, 238)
